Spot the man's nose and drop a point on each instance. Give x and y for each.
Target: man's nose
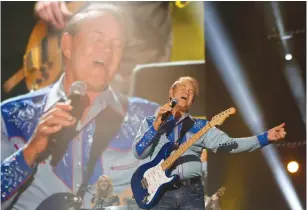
(186, 91)
(104, 45)
(106, 49)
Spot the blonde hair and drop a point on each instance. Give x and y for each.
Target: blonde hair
(101, 193)
(191, 79)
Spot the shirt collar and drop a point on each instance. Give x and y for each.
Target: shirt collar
(185, 115)
(105, 98)
(55, 94)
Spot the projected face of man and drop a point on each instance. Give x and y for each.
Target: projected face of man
(184, 90)
(94, 52)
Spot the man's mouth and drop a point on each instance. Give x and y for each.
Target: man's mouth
(100, 62)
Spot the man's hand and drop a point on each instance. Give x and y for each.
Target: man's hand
(162, 110)
(277, 133)
(53, 12)
(50, 123)
(204, 156)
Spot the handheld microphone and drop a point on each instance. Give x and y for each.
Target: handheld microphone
(59, 141)
(172, 104)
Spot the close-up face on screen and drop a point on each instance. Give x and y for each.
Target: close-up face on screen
(130, 105)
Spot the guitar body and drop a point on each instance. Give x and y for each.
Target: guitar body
(149, 181)
(42, 61)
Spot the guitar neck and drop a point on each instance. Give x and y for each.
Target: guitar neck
(184, 147)
(14, 80)
(217, 194)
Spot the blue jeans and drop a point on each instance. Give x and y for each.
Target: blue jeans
(189, 197)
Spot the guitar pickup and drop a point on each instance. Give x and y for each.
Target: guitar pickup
(144, 183)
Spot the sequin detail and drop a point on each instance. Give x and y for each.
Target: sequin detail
(147, 139)
(14, 172)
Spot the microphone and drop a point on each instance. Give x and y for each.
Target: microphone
(172, 104)
(59, 141)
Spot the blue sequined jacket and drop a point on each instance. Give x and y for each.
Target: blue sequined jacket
(20, 117)
(148, 143)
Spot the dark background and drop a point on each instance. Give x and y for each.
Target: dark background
(17, 22)
(249, 182)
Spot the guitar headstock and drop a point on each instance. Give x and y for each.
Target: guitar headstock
(221, 191)
(220, 118)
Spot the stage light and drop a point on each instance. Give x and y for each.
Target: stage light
(292, 166)
(232, 73)
(288, 56)
(182, 4)
(295, 81)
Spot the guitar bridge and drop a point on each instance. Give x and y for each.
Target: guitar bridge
(144, 183)
(145, 199)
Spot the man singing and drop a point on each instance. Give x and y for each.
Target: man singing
(92, 47)
(178, 127)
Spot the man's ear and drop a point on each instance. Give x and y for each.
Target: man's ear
(171, 94)
(194, 97)
(67, 45)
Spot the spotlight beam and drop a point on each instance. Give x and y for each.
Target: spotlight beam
(232, 75)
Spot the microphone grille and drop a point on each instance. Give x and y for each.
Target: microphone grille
(174, 102)
(78, 87)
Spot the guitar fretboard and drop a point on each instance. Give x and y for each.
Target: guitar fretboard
(184, 147)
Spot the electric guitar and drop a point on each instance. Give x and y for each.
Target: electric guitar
(151, 179)
(218, 194)
(42, 61)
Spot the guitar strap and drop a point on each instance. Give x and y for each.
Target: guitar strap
(108, 123)
(187, 124)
